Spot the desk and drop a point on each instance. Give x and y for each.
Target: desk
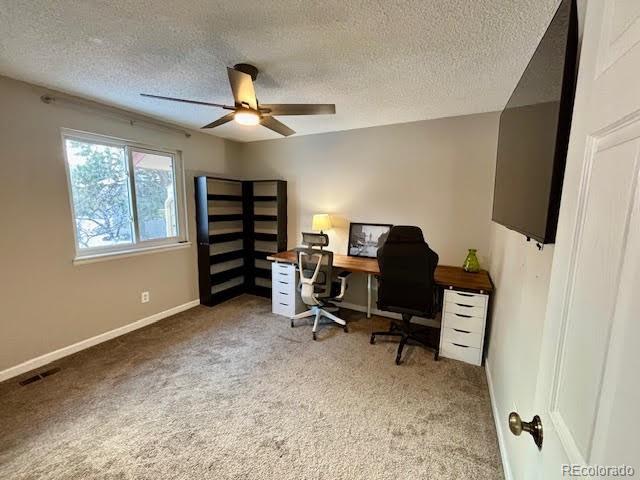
(448, 277)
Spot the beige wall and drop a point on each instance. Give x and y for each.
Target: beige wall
(47, 302)
(436, 174)
(521, 274)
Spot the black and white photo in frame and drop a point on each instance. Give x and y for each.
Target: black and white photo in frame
(366, 238)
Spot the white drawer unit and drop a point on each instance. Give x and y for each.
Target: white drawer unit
(285, 299)
(465, 298)
(283, 273)
(464, 309)
(461, 352)
(462, 337)
(461, 322)
(464, 319)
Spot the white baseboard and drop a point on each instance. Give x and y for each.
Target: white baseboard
(362, 308)
(382, 313)
(90, 342)
(506, 466)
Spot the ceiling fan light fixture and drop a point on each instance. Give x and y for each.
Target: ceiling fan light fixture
(247, 117)
(247, 111)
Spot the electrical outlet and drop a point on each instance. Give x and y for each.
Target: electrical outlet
(144, 298)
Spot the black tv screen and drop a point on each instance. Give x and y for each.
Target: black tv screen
(534, 133)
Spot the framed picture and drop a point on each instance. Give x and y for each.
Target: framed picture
(366, 238)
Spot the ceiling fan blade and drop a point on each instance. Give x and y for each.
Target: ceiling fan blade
(276, 125)
(221, 121)
(298, 108)
(194, 102)
(242, 87)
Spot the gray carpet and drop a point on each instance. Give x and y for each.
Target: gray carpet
(233, 392)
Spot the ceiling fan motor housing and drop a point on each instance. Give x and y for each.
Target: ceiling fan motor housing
(248, 69)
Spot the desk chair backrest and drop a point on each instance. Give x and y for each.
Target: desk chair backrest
(315, 268)
(407, 267)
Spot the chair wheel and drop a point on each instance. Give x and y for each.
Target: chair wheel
(372, 340)
(346, 329)
(398, 360)
(291, 323)
(436, 357)
(314, 336)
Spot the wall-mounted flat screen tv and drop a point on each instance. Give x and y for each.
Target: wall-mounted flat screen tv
(534, 133)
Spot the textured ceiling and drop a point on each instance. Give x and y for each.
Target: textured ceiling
(380, 62)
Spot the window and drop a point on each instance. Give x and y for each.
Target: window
(124, 197)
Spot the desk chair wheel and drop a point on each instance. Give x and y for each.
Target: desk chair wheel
(398, 359)
(291, 323)
(315, 337)
(346, 329)
(372, 340)
(436, 356)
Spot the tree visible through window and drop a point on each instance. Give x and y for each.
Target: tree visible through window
(121, 195)
(155, 195)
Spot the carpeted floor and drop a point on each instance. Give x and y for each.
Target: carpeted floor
(234, 392)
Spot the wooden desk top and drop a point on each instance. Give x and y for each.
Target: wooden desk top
(445, 276)
(353, 264)
(450, 276)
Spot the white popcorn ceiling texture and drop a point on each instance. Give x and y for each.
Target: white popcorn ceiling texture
(381, 62)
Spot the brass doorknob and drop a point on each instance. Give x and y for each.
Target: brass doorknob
(534, 427)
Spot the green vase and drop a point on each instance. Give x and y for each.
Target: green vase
(471, 263)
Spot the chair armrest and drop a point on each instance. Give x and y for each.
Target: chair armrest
(342, 276)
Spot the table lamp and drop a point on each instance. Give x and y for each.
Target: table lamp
(321, 222)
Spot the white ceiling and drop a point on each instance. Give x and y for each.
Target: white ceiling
(380, 62)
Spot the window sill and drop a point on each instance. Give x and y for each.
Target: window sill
(103, 257)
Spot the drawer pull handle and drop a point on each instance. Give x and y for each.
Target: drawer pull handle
(461, 315)
(464, 305)
(458, 345)
(283, 293)
(285, 304)
(461, 331)
(465, 294)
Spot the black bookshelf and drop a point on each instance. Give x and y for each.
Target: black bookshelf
(269, 208)
(228, 211)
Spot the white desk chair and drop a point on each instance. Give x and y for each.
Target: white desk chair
(317, 288)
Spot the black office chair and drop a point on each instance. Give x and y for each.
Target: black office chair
(406, 286)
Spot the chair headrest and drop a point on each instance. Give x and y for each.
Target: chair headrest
(315, 239)
(405, 234)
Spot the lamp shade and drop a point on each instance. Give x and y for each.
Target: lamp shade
(321, 222)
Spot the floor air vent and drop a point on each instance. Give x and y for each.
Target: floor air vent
(40, 376)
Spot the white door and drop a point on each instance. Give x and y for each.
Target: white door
(588, 389)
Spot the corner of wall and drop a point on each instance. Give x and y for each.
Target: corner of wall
(234, 159)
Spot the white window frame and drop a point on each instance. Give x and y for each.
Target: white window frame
(138, 246)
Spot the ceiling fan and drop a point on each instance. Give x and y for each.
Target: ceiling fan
(247, 110)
